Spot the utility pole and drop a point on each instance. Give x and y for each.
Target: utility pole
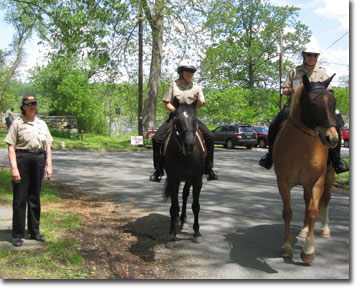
(140, 113)
(281, 71)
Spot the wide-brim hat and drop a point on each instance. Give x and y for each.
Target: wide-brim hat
(27, 99)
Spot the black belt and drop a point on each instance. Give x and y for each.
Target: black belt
(32, 152)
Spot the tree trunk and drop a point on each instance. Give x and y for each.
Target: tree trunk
(157, 26)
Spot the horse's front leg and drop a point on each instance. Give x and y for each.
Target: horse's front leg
(305, 229)
(286, 249)
(308, 251)
(174, 210)
(185, 195)
(197, 185)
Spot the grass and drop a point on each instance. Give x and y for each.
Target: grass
(90, 142)
(58, 257)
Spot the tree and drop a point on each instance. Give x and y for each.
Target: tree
(24, 26)
(245, 47)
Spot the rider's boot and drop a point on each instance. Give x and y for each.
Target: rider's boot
(209, 171)
(339, 164)
(156, 175)
(211, 174)
(266, 161)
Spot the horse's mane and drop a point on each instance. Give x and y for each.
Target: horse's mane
(295, 103)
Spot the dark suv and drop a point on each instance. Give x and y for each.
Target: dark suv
(235, 135)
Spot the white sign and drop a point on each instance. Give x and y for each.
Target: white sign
(137, 140)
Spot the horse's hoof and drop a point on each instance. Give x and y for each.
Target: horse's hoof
(286, 253)
(197, 237)
(325, 234)
(303, 234)
(184, 226)
(307, 258)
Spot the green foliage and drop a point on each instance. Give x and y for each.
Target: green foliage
(245, 43)
(67, 86)
(239, 105)
(343, 102)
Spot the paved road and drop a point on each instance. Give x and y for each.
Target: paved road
(240, 215)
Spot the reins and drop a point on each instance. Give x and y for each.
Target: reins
(303, 131)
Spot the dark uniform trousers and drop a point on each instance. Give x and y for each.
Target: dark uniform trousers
(27, 192)
(158, 139)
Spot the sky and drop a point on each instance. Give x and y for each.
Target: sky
(327, 19)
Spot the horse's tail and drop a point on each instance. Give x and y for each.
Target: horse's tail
(166, 190)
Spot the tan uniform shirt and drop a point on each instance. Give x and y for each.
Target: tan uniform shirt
(294, 78)
(185, 94)
(32, 136)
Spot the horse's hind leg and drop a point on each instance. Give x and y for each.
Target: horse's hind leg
(196, 209)
(324, 204)
(185, 195)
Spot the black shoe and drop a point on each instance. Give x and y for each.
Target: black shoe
(38, 237)
(17, 242)
(211, 175)
(156, 175)
(266, 161)
(341, 166)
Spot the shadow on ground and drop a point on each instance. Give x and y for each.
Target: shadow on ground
(150, 231)
(251, 247)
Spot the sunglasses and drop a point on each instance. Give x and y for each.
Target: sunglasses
(312, 54)
(31, 104)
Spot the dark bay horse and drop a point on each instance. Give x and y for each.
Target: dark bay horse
(300, 157)
(184, 160)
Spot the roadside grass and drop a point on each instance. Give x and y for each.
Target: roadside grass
(90, 142)
(58, 257)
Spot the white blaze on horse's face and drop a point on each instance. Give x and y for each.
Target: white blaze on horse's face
(185, 115)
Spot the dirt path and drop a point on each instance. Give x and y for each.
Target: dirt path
(112, 242)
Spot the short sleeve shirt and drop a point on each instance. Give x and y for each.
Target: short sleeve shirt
(25, 135)
(294, 78)
(185, 94)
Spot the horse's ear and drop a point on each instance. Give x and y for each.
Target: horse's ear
(176, 102)
(328, 81)
(306, 81)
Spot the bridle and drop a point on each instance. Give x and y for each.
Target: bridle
(179, 136)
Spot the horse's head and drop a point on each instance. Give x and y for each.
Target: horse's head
(185, 125)
(318, 110)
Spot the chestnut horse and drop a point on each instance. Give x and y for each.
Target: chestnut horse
(184, 160)
(300, 157)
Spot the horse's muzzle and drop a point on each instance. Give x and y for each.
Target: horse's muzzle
(329, 136)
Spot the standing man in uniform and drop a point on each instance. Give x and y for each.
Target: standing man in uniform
(29, 146)
(315, 74)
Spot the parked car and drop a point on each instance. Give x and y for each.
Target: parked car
(346, 137)
(235, 135)
(262, 135)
